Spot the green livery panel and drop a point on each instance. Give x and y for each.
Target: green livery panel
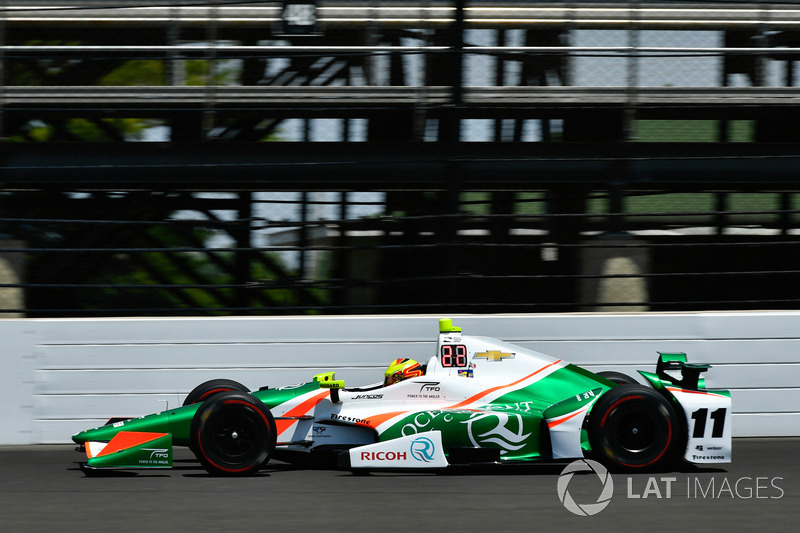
(135, 450)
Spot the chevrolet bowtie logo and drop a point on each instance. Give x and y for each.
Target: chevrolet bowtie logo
(493, 355)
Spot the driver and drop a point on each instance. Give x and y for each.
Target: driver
(401, 369)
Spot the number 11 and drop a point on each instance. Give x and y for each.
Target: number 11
(701, 415)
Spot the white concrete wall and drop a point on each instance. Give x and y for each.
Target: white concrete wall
(60, 376)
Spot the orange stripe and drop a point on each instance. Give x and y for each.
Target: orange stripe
(558, 421)
(377, 420)
(129, 439)
(673, 389)
(300, 410)
(489, 391)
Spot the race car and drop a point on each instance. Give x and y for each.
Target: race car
(476, 401)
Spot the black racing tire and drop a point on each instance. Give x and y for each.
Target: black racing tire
(617, 377)
(632, 428)
(210, 388)
(233, 434)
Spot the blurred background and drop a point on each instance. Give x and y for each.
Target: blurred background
(219, 157)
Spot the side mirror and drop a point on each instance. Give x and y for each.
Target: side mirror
(326, 381)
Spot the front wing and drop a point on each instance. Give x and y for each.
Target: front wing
(130, 449)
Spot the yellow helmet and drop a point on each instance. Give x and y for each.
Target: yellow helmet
(401, 369)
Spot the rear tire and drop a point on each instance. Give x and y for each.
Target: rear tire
(617, 377)
(233, 434)
(633, 428)
(210, 388)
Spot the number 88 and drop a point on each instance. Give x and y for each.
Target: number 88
(454, 355)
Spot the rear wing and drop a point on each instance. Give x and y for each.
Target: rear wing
(669, 365)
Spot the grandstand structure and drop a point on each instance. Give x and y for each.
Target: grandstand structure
(520, 155)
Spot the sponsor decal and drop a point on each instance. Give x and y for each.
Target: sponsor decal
(367, 397)
(699, 448)
(414, 451)
(500, 434)
(427, 389)
(585, 396)
(384, 456)
(422, 420)
(494, 355)
(523, 407)
(430, 386)
(423, 449)
(157, 453)
(466, 373)
(158, 456)
(351, 419)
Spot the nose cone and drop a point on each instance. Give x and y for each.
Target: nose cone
(158, 422)
(99, 434)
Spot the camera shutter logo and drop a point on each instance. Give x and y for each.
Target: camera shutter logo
(587, 509)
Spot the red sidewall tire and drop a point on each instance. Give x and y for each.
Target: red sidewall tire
(233, 434)
(617, 377)
(211, 388)
(633, 428)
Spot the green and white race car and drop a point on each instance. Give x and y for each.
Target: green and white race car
(478, 400)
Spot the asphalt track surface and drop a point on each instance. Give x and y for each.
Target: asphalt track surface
(42, 489)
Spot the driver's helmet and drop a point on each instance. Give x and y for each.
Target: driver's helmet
(401, 369)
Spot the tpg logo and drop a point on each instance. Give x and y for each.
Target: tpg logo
(430, 386)
(162, 453)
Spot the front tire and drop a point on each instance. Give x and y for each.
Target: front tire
(211, 388)
(233, 434)
(633, 428)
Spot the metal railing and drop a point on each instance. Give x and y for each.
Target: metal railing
(316, 255)
(743, 14)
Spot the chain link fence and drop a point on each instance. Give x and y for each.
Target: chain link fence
(583, 74)
(351, 253)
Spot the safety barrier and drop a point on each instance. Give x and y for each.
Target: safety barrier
(63, 375)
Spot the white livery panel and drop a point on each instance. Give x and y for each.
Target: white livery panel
(708, 417)
(422, 450)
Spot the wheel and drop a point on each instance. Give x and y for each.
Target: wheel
(633, 428)
(617, 377)
(206, 390)
(233, 434)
